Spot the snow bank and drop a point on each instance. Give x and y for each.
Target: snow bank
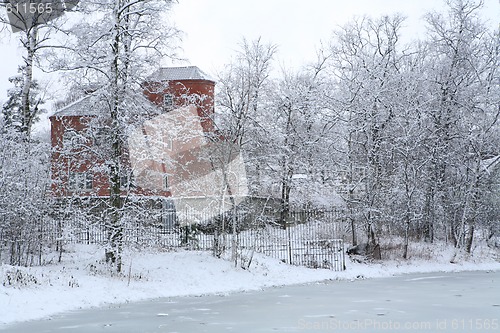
(82, 282)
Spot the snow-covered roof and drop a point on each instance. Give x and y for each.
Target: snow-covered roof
(91, 105)
(315, 194)
(490, 164)
(84, 106)
(180, 73)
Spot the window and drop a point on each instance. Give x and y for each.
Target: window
(68, 138)
(78, 181)
(101, 137)
(72, 139)
(165, 182)
(168, 143)
(127, 180)
(168, 101)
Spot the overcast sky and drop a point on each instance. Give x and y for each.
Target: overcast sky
(214, 28)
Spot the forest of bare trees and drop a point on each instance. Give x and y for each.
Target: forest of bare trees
(402, 138)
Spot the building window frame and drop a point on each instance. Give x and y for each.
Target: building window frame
(168, 101)
(165, 182)
(127, 180)
(73, 139)
(80, 181)
(67, 138)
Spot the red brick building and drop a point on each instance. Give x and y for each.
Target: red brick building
(79, 131)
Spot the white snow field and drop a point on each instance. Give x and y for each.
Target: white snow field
(81, 281)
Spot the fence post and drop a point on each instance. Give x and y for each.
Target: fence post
(234, 240)
(289, 236)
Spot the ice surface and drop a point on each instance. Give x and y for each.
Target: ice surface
(398, 304)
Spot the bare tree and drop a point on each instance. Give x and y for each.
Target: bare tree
(114, 53)
(299, 110)
(35, 23)
(462, 71)
(242, 87)
(365, 61)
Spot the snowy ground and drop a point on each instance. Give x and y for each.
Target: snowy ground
(81, 281)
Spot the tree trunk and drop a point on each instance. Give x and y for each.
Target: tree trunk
(428, 228)
(407, 236)
(353, 228)
(470, 238)
(285, 201)
(27, 112)
(115, 229)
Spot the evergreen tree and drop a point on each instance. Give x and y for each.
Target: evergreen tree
(12, 110)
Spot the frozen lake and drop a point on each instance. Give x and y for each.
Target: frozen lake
(439, 302)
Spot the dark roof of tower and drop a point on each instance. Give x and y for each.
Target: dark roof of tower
(180, 73)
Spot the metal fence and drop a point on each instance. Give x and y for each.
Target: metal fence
(307, 238)
(312, 244)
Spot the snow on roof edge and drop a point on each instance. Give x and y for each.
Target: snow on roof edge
(180, 73)
(70, 105)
